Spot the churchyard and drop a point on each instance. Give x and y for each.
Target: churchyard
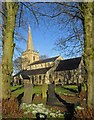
(59, 102)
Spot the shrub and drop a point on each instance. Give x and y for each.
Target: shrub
(84, 114)
(10, 106)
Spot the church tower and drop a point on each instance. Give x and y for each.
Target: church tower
(29, 56)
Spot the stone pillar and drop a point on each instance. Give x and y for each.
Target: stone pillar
(28, 92)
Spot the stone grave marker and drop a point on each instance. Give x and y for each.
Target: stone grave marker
(51, 97)
(28, 92)
(44, 92)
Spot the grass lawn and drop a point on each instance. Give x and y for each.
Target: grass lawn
(37, 89)
(13, 88)
(63, 90)
(17, 90)
(71, 87)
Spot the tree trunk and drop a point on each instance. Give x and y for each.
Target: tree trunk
(10, 11)
(88, 13)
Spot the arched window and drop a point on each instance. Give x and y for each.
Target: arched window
(32, 79)
(50, 76)
(40, 79)
(34, 58)
(59, 80)
(49, 64)
(44, 76)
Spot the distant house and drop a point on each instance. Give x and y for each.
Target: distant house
(47, 70)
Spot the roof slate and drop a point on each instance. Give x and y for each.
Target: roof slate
(33, 72)
(69, 64)
(45, 60)
(24, 76)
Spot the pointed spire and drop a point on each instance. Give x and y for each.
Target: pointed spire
(29, 42)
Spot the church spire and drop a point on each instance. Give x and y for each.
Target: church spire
(29, 42)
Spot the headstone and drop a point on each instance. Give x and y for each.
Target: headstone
(51, 97)
(28, 92)
(44, 90)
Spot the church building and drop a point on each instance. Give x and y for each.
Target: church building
(48, 70)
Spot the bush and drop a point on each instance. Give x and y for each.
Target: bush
(10, 106)
(84, 114)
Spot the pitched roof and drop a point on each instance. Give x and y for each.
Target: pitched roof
(45, 60)
(18, 73)
(25, 76)
(68, 64)
(33, 72)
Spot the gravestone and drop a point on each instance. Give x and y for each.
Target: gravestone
(28, 92)
(44, 90)
(51, 97)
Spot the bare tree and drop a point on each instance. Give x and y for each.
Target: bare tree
(88, 18)
(12, 18)
(43, 57)
(83, 32)
(17, 65)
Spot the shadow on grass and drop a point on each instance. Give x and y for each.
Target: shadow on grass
(19, 98)
(70, 108)
(33, 96)
(70, 89)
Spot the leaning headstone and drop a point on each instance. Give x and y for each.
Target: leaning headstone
(28, 92)
(51, 97)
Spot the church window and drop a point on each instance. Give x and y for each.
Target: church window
(46, 64)
(59, 80)
(41, 65)
(49, 65)
(39, 79)
(50, 76)
(44, 76)
(32, 79)
(33, 57)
